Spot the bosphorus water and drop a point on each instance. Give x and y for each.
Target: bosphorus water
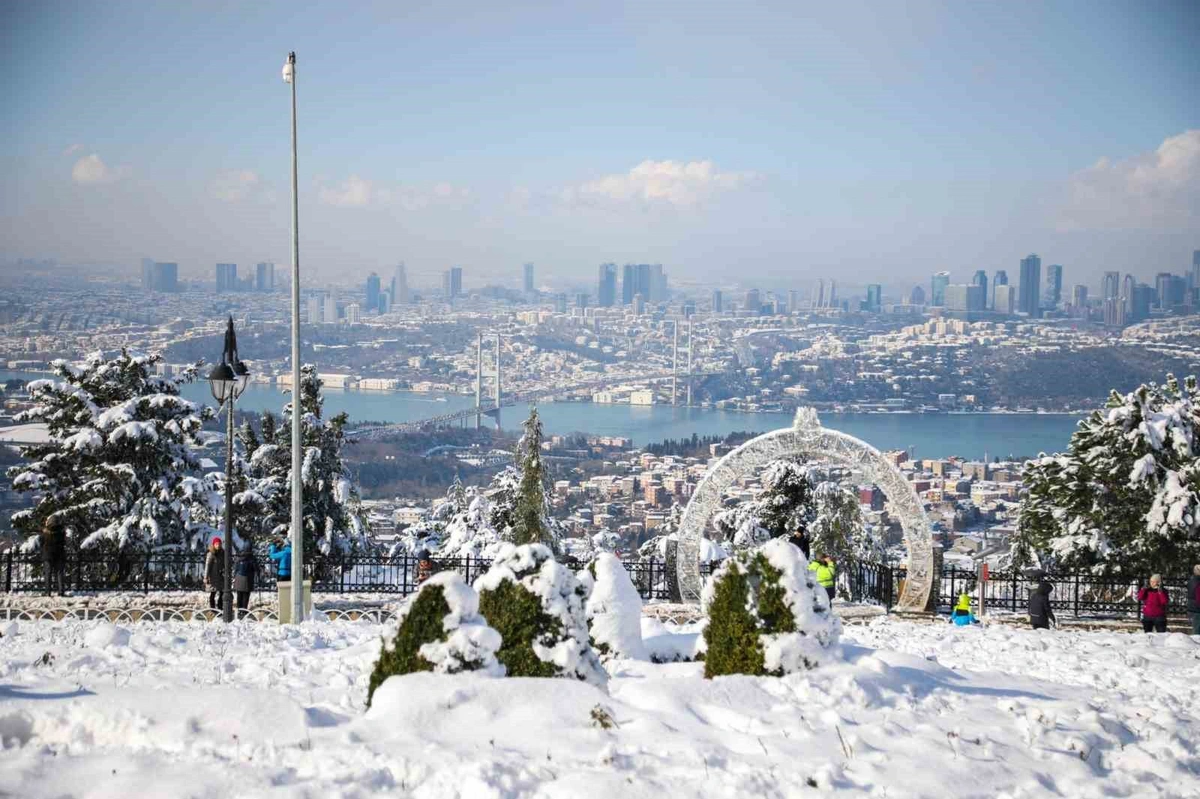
(929, 435)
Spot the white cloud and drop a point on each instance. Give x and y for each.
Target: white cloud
(658, 183)
(1156, 191)
(91, 170)
(234, 185)
(358, 192)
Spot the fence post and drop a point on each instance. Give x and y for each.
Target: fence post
(146, 575)
(1076, 594)
(467, 569)
(8, 559)
(404, 575)
(1012, 601)
(342, 574)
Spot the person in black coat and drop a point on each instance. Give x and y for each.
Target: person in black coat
(799, 538)
(1040, 612)
(244, 572)
(54, 555)
(1193, 597)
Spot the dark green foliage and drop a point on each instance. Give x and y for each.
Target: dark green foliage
(732, 632)
(517, 615)
(776, 616)
(423, 625)
(530, 516)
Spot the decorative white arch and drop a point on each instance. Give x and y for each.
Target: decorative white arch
(806, 438)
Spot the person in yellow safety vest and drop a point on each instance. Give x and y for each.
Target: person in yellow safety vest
(962, 615)
(825, 572)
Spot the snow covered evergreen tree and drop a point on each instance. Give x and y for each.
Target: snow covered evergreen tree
(766, 615)
(334, 522)
(531, 519)
(614, 611)
(118, 470)
(538, 606)
(836, 525)
(1126, 494)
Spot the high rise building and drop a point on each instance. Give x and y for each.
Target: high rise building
(160, 276)
(937, 285)
(400, 286)
(818, 295)
(385, 302)
(628, 283)
(353, 313)
(916, 296)
(793, 301)
(1079, 296)
(264, 276)
(1114, 313)
(874, 298)
(560, 303)
(639, 304)
(981, 279)
(1128, 287)
(649, 280)
(963, 298)
(1195, 273)
(330, 312)
(606, 286)
(1029, 291)
(1111, 290)
(581, 300)
(148, 274)
(753, 302)
(528, 278)
(1004, 298)
(1170, 289)
(1052, 291)
(227, 277)
(831, 300)
(1143, 298)
(315, 304)
(373, 291)
(452, 282)
(1000, 278)
(718, 301)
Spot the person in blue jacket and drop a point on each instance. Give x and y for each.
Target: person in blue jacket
(962, 615)
(281, 553)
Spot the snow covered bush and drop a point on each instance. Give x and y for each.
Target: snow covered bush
(614, 611)
(439, 630)
(1126, 494)
(117, 469)
(538, 606)
(766, 615)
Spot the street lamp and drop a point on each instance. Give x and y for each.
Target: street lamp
(228, 380)
(289, 76)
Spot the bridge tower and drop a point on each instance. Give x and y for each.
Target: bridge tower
(674, 362)
(478, 381)
(498, 381)
(689, 363)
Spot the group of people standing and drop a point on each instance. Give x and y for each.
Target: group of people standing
(245, 571)
(1153, 599)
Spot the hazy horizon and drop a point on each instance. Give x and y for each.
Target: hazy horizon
(773, 144)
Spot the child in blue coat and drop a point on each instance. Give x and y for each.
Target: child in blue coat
(962, 615)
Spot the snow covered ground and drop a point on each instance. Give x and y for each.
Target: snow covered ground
(250, 710)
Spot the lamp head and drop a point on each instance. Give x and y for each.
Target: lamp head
(221, 380)
(289, 68)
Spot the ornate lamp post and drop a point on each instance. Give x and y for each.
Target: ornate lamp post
(289, 76)
(228, 380)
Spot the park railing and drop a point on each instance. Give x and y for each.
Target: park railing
(1078, 594)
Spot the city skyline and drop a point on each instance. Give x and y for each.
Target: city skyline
(188, 160)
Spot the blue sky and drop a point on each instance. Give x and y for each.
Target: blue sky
(751, 142)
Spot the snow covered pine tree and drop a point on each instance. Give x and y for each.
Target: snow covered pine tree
(118, 470)
(1125, 497)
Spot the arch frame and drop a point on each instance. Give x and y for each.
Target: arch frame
(807, 438)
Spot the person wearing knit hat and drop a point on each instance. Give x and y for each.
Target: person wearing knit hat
(214, 573)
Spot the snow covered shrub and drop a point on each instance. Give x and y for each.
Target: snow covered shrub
(538, 607)
(439, 630)
(766, 615)
(614, 611)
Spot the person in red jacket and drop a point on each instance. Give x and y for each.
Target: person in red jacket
(1154, 601)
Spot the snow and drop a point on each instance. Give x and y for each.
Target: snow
(912, 710)
(470, 642)
(614, 610)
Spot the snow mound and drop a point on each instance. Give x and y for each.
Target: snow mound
(105, 634)
(614, 611)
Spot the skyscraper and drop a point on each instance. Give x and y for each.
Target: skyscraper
(316, 301)
(964, 298)
(330, 313)
(874, 298)
(1003, 299)
(981, 280)
(818, 295)
(1052, 292)
(1195, 269)
(1079, 296)
(1029, 291)
(628, 283)
(1111, 289)
(916, 296)
(148, 274)
(452, 282)
(1143, 296)
(1128, 287)
(793, 301)
(937, 285)
(399, 290)
(606, 286)
(528, 278)
(227, 277)
(264, 276)
(831, 300)
(753, 302)
(160, 276)
(1000, 278)
(718, 301)
(372, 290)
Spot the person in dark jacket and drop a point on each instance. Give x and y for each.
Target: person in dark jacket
(1040, 612)
(54, 555)
(214, 574)
(800, 539)
(244, 573)
(1193, 590)
(1154, 600)
(425, 568)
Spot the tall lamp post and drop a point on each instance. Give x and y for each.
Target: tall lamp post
(228, 380)
(289, 76)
